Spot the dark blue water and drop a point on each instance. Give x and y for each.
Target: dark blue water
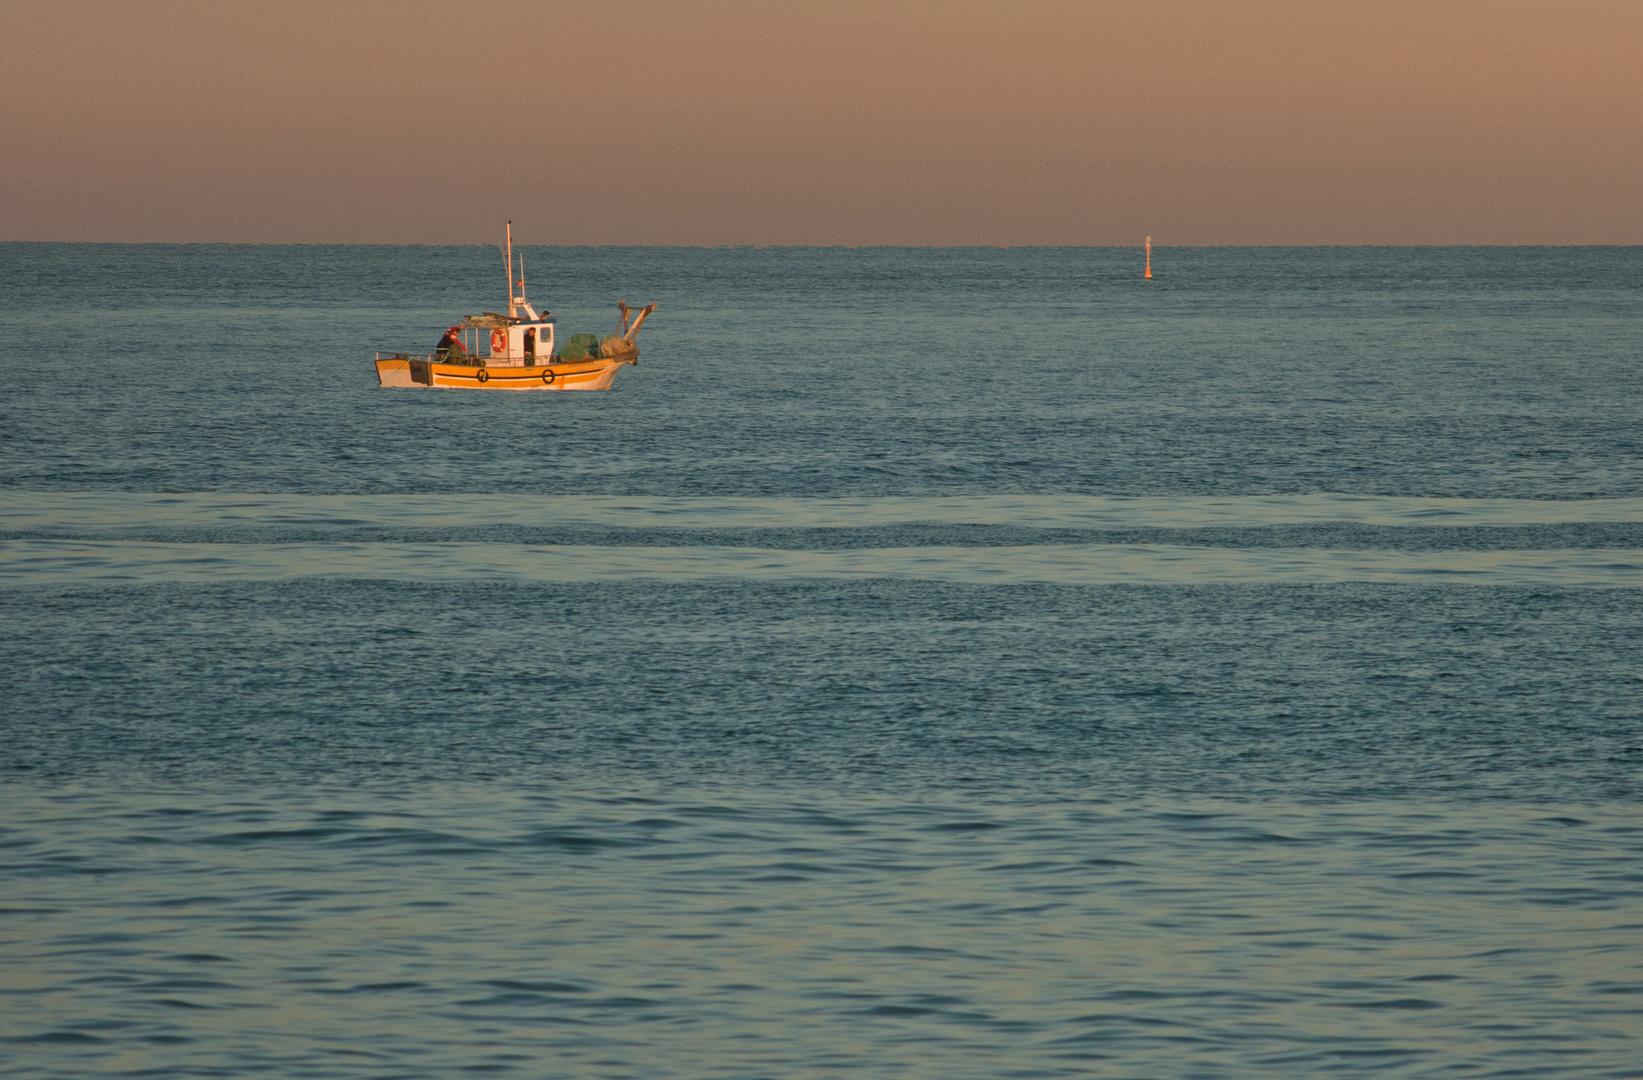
(925, 663)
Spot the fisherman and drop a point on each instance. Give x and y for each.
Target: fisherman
(450, 347)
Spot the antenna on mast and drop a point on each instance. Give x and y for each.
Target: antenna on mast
(507, 262)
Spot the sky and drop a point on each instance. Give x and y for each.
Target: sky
(1199, 122)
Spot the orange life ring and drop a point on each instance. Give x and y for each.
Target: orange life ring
(499, 341)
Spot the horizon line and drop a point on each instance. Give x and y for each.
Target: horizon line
(766, 247)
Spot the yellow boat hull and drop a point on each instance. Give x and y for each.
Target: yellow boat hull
(591, 374)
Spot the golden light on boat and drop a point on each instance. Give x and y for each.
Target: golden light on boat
(522, 350)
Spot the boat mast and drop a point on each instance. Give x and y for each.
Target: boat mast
(507, 259)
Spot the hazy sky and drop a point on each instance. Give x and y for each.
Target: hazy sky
(827, 122)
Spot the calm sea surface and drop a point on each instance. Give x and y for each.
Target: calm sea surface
(924, 664)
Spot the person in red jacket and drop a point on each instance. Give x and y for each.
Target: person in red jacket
(450, 346)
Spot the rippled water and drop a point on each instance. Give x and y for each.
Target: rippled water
(925, 663)
(485, 928)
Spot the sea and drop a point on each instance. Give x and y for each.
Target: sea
(925, 663)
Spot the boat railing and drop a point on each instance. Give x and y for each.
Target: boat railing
(429, 358)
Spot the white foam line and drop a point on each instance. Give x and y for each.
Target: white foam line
(31, 562)
(26, 510)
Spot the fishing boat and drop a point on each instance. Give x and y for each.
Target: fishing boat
(518, 350)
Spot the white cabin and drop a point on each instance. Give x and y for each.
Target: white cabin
(523, 344)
